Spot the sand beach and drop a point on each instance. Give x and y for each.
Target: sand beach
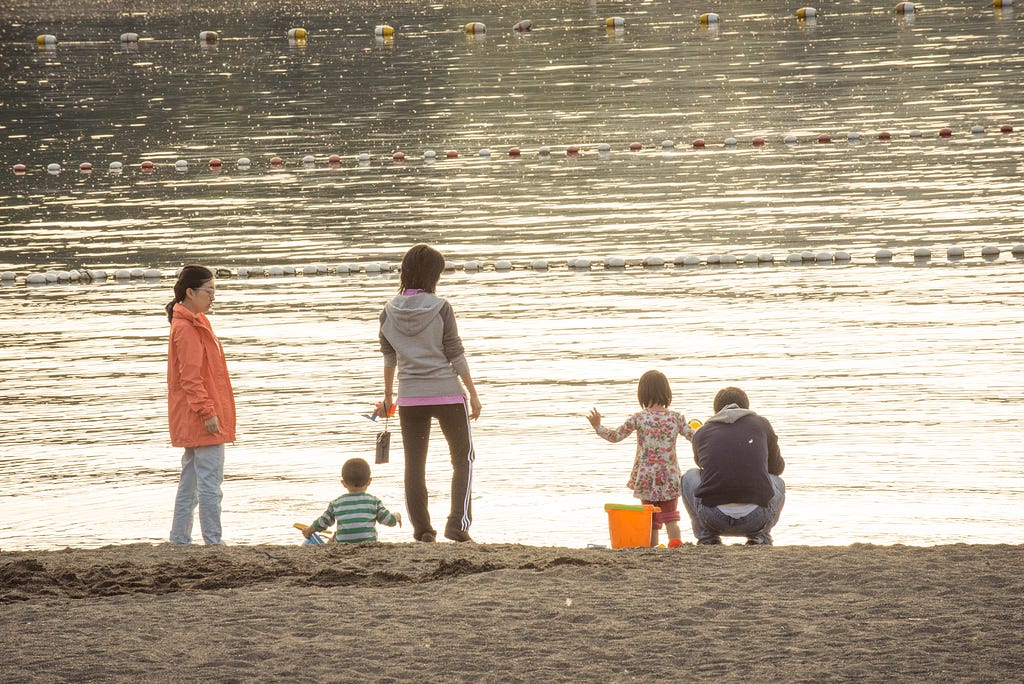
(509, 613)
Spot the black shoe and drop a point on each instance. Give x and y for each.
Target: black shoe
(426, 537)
(759, 540)
(458, 535)
(710, 541)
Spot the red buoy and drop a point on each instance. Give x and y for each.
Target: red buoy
(884, 135)
(146, 166)
(398, 156)
(215, 163)
(514, 151)
(1006, 128)
(452, 154)
(20, 168)
(946, 133)
(572, 150)
(334, 159)
(698, 143)
(635, 147)
(85, 166)
(824, 138)
(276, 161)
(757, 142)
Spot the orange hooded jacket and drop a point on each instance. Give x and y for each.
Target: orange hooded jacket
(198, 385)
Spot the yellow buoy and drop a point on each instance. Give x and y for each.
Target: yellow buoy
(905, 8)
(806, 13)
(298, 34)
(383, 31)
(708, 19)
(1002, 3)
(614, 22)
(208, 37)
(46, 39)
(475, 27)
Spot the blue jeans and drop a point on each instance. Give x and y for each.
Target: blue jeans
(709, 523)
(202, 471)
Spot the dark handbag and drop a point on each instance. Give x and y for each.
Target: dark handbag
(383, 445)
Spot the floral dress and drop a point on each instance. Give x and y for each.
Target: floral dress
(656, 473)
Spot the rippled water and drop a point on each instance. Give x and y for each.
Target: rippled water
(895, 389)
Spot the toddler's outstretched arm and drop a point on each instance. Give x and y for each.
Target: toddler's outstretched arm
(595, 418)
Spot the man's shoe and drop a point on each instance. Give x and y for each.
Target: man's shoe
(458, 535)
(427, 537)
(759, 540)
(710, 541)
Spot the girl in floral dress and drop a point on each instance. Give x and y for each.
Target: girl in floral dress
(655, 477)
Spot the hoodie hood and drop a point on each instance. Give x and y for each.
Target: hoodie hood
(730, 414)
(411, 314)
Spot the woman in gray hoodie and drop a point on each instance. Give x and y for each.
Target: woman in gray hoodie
(420, 339)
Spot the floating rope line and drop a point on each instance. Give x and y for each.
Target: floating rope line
(921, 256)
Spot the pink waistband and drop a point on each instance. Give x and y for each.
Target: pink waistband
(431, 401)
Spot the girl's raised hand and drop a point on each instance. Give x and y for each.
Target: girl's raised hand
(594, 417)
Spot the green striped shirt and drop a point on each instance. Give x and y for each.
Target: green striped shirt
(356, 514)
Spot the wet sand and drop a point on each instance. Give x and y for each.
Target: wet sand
(472, 613)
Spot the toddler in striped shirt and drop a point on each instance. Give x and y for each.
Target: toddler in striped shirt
(357, 512)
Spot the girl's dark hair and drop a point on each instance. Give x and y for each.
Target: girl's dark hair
(421, 268)
(654, 390)
(190, 277)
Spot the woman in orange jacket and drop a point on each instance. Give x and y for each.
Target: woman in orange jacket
(200, 405)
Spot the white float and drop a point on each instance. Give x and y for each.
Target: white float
(750, 259)
(794, 258)
(842, 256)
(181, 165)
(667, 144)
(503, 265)
(36, 279)
(653, 262)
(713, 259)
(977, 130)
(1017, 250)
(53, 167)
(485, 152)
(116, 166)
(955, 253)
(729, 260)
(473, 265)
(614, 262)
(730, 142)
(990, 251)
(789, 139)
(543, 150)
(243, 161)
(129, 37)
(97, 275)
(152, 274)
(8, 275)
(915, 133)
(275, 271)
(922, 253)
(429, 154)
(122, 274)
(539, 264)
(883, 254)
(580, 263)
(308, 160)
(822, 257)
(766, 258)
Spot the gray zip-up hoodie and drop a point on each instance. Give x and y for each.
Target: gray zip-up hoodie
(418, 334)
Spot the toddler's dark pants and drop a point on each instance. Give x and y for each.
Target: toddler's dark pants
(454, 422)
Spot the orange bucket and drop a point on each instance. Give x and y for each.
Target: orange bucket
(630, 526)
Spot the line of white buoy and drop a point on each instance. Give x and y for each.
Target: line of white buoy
(612, 24)
(918, 256)
(364, 159)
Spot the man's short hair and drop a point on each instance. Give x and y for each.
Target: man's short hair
(731, 395)
(356, 472)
